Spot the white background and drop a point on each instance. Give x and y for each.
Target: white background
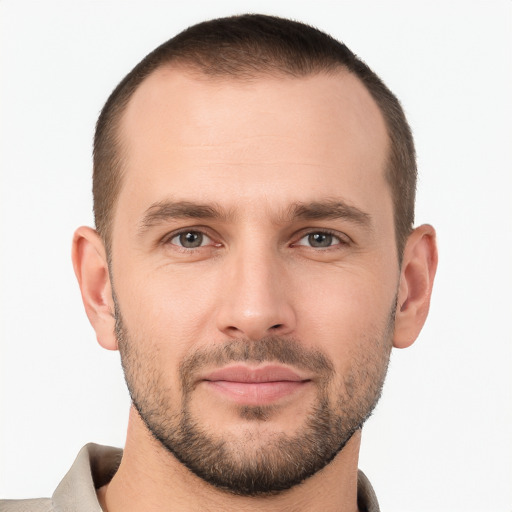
(441, 438)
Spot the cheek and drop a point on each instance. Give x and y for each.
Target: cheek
(346, 312)
(166, 308)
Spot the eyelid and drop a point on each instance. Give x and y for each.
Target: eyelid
(207, 233)
(205, 241)
(342, 238)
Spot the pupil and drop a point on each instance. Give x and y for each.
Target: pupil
(191, 239)
(320, 240)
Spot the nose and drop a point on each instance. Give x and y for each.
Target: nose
(256, 299)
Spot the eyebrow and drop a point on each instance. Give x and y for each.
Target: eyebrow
(166, 210)
(330, 210)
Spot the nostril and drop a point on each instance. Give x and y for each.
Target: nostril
(277, 326)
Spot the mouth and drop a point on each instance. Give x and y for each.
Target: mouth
(255, 386)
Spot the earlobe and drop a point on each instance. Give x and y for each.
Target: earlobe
(91, 269)
(418, 270)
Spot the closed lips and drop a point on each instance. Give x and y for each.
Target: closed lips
(255, 386)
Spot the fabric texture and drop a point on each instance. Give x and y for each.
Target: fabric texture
(95, 465)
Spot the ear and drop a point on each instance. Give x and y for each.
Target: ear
(91, 269)
(419, 266)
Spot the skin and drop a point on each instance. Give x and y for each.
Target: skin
(254, 151)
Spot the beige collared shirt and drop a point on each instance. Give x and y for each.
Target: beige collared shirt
(95, 466)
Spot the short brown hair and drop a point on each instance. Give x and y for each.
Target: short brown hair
(244, 47)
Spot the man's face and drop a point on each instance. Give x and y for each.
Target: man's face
(255, 270)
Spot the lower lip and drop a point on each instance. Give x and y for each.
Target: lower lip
(256, 393)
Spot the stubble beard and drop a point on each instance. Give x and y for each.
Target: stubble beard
(256, 464)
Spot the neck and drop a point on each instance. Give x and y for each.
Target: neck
(151, 478)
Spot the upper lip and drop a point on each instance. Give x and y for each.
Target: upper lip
(242, 373)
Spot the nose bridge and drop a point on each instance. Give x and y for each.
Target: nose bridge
(255, 301)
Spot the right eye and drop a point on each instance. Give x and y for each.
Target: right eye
(190, 239)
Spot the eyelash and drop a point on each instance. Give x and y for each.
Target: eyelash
(342, 239)
(201, 231)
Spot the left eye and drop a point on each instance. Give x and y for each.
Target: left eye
(190, 239)
(319, 240)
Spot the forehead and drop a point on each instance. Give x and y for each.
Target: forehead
(239, 141)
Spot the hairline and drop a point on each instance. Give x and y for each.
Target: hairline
(194, 71)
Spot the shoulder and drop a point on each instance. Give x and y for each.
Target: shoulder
(94, 466)
(37, 505)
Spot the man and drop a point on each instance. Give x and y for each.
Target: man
(254, 262)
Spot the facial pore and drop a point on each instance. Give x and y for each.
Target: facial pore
(257, 462)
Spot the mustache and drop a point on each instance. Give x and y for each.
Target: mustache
(265, 350)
